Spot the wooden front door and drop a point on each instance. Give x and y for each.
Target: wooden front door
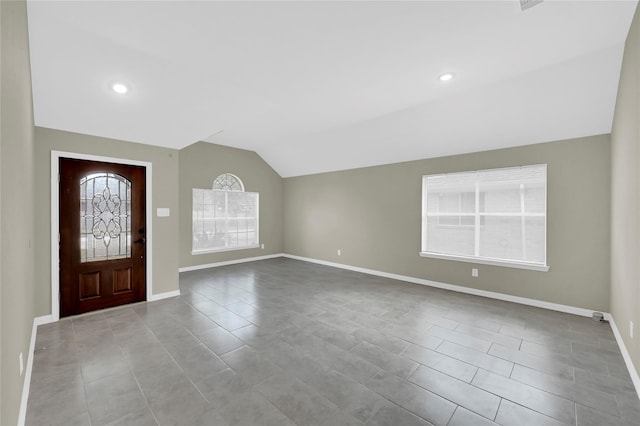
(102, 235)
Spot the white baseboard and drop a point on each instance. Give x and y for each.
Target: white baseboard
(625, 354)
(229, 262)
(27, 376)
(165, 295)
(45, 319)
(460, 289)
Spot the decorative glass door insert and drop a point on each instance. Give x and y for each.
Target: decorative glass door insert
(105, 217)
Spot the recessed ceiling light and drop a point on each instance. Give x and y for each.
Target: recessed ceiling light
(446, 76)
(120, 88)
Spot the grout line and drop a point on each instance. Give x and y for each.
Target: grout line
(498, 410)
(144, 396)
(176, 362)
(447, 398)
(453, 414)
(418, 365)
(455, 409)
(79, 361)
(84, 384)
(474, 376)
(146, 400)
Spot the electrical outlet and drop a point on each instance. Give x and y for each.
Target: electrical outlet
(631, 329)
(21, 363)
(262, 246)
(474, 272)
(339, 252)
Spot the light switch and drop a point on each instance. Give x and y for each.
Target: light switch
(163, 212)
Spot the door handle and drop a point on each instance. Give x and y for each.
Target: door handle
(141, 241)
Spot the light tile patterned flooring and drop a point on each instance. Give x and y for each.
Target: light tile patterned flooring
(283, 342)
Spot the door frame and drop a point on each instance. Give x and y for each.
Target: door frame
(55, 220)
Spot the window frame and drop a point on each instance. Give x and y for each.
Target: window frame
(483, 260)
(226, 218)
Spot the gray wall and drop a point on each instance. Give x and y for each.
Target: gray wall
(625, 197)
(200, 164)
(373, 215)
(17, 209)
(164, 192)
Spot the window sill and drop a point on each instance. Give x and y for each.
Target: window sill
(493, 262)
(221, 250)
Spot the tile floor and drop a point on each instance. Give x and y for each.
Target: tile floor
(283, 342)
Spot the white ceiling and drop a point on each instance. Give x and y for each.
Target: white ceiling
(323, 86)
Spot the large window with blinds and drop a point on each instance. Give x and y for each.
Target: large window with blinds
(496, 217)
(224, 217)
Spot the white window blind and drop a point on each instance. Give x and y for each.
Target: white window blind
(224, 220)
(497, 216)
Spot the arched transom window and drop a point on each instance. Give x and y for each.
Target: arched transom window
(228, 182)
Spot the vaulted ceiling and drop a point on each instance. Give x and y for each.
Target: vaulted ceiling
(322, 86)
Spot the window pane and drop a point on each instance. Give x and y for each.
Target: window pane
(228, 182)
(449, 202)
(468, 202)
(535, 198)
(467, 220)
(223, 219)
(450, 239)
(536, 246)
(507, 205)
(453, 193)
(500, 198)
(448, 220)
(504, 189)
(501, 238)
(252, 238)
